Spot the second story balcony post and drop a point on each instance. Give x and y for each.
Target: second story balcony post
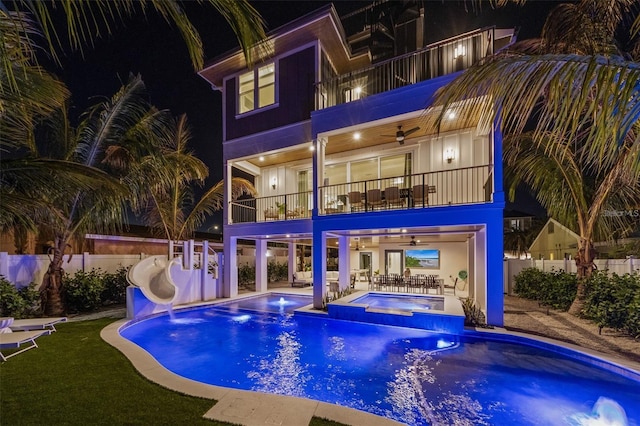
(318, 173)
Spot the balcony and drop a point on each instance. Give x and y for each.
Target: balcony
(469, 185)
(278, 207)
(435, 60)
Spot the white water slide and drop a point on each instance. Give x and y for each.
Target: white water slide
(153, 276)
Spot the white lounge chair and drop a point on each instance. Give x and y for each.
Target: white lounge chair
(17, 339)
(36, 323)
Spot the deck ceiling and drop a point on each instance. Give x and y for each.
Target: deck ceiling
(371, 136)
(372, 238)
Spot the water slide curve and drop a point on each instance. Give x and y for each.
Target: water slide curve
(153, 276)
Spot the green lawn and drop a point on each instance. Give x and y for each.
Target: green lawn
(75, 378)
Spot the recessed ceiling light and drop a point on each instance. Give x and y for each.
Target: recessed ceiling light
(312, 147)
(451, 115)
(357, 136)
(404, 231)
(288, 235)
(261, 158)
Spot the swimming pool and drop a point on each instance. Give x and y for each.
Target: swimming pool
(413, 376)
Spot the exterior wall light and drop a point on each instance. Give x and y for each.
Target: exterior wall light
(274, 182)
(459, 51)
(449, 155)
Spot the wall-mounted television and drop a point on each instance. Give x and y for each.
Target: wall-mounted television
(422, 258)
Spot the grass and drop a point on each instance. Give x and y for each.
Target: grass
(75, 378)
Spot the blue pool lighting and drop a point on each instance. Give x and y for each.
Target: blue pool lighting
(410, 375)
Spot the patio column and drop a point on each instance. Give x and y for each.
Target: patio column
(344, 262)
(261, 266)
(319, 266)
(292, 260)
(230, 271)
(493, 257)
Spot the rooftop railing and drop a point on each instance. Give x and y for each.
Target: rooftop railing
(435, 60)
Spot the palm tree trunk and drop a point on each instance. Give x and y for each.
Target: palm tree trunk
(584, 262)
(51, 288)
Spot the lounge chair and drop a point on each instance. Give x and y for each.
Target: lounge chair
(36, 323)
(17, 339)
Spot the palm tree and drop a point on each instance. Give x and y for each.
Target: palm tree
(168, 204)
(108, 141)
(87, 20)
(583, 90)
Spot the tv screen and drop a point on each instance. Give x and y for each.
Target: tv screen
(422, 258)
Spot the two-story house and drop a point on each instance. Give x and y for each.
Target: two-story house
(338, 137)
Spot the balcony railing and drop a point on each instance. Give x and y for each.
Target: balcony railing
(435, 60)
(278, 207)
(443, 188)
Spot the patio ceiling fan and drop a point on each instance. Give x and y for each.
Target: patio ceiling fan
(402, 134)
(413, 242)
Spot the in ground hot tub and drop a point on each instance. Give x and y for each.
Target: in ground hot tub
(436, 313)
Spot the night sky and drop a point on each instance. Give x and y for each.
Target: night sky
(149, 46)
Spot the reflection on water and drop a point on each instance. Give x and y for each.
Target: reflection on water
(606, 412)
(410, 375)
(282, 375)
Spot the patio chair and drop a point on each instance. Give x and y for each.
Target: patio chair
(17, 339)
(272, 213)
(420, 195)
(36, 324)
(355, 200)
(374, 198)
(392, 196)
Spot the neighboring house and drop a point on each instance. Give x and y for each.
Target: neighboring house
(554, 242)
(344, 161)
(517, 220)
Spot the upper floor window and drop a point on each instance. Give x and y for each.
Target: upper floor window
(257, 88)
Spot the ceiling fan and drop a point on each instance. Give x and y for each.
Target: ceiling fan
(413, 242)
(401, 134)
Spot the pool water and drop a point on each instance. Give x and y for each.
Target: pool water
(402, 302)
(272, 302)
(410, 375)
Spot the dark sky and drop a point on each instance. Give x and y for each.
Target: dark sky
(150, 47)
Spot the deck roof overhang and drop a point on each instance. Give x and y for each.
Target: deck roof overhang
(321, 26)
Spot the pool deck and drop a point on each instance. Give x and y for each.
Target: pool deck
(256, 408)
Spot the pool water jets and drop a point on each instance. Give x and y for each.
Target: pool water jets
(410, 375)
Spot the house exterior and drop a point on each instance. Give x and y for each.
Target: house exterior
(554, 242)
(338, 139)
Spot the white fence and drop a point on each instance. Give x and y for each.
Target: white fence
(512, 267)
(23, 269)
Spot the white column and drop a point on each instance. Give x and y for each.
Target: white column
(344, 261)
(230, 286)
(318, 264)
(292, 260)
(261, 266)
(480, 269)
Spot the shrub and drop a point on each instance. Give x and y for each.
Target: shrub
(555, 289)
(115, 287)
(473, 315)
(246, 275)
(16, 303)
(613, 301)
(82, 292)
(277, 271)
(529, 283)
(559, 290)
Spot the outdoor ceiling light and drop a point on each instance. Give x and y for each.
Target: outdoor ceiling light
(261, 158)
(356, 136)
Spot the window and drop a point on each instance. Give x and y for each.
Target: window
(257, 87)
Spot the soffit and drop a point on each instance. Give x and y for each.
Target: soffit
(322, 28)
